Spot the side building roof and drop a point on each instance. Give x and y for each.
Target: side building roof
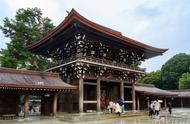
(25, 79)
(149, 89)
(182, 93)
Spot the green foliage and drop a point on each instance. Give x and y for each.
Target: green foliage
(28, 27)
(136, 63)
(151, 78)
(184, 81)
(173, 69)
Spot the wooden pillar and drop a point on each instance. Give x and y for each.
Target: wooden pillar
(148, 102)
(54, 105)
(165, 103)
(26, 105)
(122, 90)
(81, 95)
(98, 95)
(133, 95)
(17, 105)
(144, 99)
(68, 79)
(138, 102)
(181, 102)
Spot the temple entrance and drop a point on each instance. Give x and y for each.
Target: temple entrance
(46, 104)
(110, 91)
(32, 104)
(14, 105)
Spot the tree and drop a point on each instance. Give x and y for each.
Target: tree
(172, 70)
(151, 78)
(184, 81)
(28, 27)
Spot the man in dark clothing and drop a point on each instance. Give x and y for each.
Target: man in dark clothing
(170, 107)
(121, 104)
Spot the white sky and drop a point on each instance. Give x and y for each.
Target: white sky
(160, 23)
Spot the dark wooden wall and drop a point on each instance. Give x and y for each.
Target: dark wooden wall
(9, 104)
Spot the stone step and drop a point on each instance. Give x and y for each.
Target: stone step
(77, 117)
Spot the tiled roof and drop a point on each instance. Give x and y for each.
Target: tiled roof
(149, 89)
(73, 15)
(12, 78)
(182, 93)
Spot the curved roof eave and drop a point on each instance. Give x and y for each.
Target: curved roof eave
(75, 15)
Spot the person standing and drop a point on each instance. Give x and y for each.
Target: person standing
(157, 108)
(151, 108)
(170, 107)
(111, 106)
(103, 104)
(121, 104)
(117, 109)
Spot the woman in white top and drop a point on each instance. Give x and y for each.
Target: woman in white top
(157, 108)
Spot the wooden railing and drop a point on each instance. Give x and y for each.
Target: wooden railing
(102, 61)
(113, 63)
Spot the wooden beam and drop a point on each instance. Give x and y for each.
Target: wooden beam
(128, 101)
(89, 101)
(55, 67)
(127, 86)
(127, 82)
(110, 80)
(90, 83)
(90, 77)
(111, 66)
(97, 63)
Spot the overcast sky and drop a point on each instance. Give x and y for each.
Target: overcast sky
(160, 23)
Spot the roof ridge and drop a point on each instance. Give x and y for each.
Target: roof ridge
(113, 30)
(19, 71)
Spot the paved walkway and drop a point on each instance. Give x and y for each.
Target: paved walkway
(179, 116)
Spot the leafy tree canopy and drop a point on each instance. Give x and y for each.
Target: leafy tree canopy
(28, 27)
(151, 78)
(172, 70)
(184, 81)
